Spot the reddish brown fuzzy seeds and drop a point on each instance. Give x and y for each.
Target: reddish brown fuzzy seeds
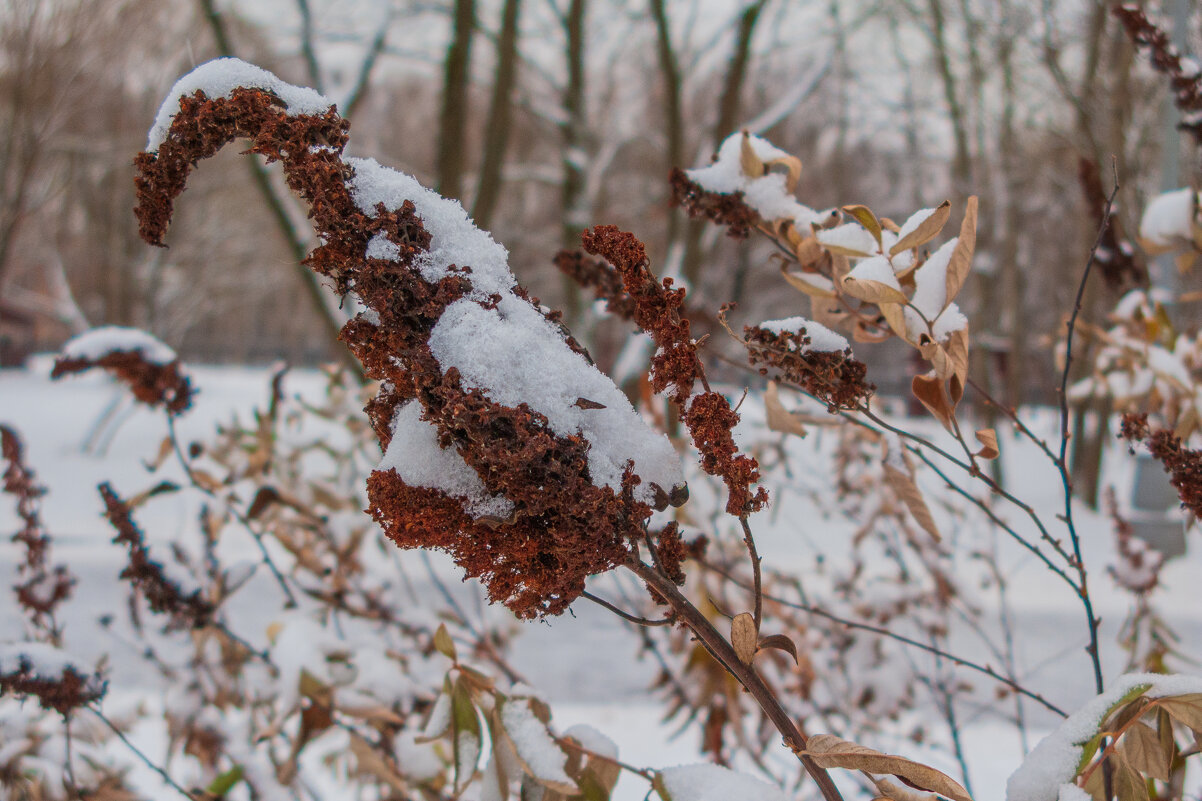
(834, 377)
(42, 587)
(1182, 464)
(676, 367)
(728, 210)
(63, 693)
(163, 596)
(152, 383)
(563, 527)
(1184, 78)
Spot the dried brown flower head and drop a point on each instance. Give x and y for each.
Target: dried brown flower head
(1183, 465)
(25, 670)
(722, 209)
(835, 377)
(150, 369)
(518, 502)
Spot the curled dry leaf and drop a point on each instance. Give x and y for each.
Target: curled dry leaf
(781, 643)
(812, 284)
(864, 216)
(1143, 748)
(988, 439)
(829, 751)
(930, 392)
(744, 637)
(906, 489)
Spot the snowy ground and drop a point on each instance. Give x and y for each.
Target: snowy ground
(586, 664)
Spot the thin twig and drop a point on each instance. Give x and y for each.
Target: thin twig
(642, 621)
(140, 755)
(746, 674)
(757, 583)
(1062, 461)
(855, 624)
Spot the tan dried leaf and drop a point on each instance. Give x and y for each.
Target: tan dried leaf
(1185, 709)
(808, 251)
(957, 353)
(373, 763)
(961, 263)
(864, 216)
(744, 637)
(779, 418)
(781, 643)
(872, 291)
(812, 284)
(895, 317)
(792, 166)
(829, 751)
(749, 161)
(930, 392)
(444, 644)
(927, 230)
(906, 489)
(1141, 746)
(988, 439)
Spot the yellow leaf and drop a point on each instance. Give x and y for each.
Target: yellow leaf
(864, 216)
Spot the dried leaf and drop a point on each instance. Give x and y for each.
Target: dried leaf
(930, 392)
(465, 734)
(1185, 709)
(779, 418)
(162, 488)
(961, 263)
(205, 480)
(871, 291)
(792, 166)
(988, 439)
(165, 449)
(957, 353)
(895, 317)
(781, 643)
(1142, 748)
(374, 764)
(927, 230)
(911, 496)
(264, 498)
(864, 216)
(749, 161)
(813, 284)
(444, 644)
(829, 751)
(1129, 785)
(744, 637)
(808, 251)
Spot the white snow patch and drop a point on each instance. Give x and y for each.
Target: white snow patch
(514, 355)
(418, 460)
(912, 222)
(766, 194)
(218, 79)
(99, 342)
(381, 247)
(1169, 218)
(821, 338)
(1047, 772)
(534, 744)
(849, 236)
(593, 740)
(876, 269)
(707, 782)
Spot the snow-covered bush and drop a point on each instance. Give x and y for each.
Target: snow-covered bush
(491, 435)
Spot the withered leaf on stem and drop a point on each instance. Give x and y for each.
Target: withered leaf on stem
(988, 439)
(1142, 747)
(927, 230)
(781, 643)
(906, 489)
(832, 752)
(961, 263)
(744, 637)
(930, 392)
(779, 418)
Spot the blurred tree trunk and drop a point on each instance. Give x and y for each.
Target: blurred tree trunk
(729, 105)
(277, 203)
(1011, 272)
(673, 114)
(500, 113)
(572, 131)
(452, 125)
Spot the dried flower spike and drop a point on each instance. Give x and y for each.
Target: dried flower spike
(489, 454)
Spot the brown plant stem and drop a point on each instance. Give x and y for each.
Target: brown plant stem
(746, 674)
